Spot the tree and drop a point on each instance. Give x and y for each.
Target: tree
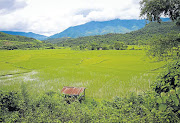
(105, 48)
(81, 47)
(167, 86)
(117, 46)
(111, 47)
(93, 46)
(153, 9)
(120, 46)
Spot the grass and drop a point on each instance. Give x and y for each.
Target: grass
(105, 74)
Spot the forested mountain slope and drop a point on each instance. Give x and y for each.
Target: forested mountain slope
(140, 36)
(103, 27)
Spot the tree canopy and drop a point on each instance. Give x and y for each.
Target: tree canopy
(154, 9)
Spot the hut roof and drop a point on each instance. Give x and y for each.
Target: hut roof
(72, 90)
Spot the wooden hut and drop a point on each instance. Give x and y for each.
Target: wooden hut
(74, 92)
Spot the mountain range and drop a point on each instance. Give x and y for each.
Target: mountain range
(138, 37)
(92, 28)
(26, 34)
(104, 27)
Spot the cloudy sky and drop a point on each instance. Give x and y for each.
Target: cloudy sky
(48, 17)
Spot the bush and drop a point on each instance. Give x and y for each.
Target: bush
(167, 87)
(105, 48)
(9, 101)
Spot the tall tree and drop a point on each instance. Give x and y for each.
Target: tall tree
(154, 9)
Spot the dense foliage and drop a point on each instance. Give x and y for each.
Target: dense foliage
(165, 47)
(167, 86)
(153, 9)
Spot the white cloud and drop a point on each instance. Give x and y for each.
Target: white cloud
(7, 6)
(53, 16)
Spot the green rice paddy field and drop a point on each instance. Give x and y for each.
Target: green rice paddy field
(105, 74)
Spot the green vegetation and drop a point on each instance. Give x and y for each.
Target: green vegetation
(159, 105)
(4, 36)
(153, 9)
(140, 37)
(118, 81)
(165, 47)
(118, 84)
(52, 108)
(121, 84)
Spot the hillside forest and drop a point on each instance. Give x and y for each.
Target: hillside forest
(12, 42)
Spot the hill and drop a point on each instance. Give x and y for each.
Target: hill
(140, 36)
(104, 27)
(11, 42)
(27, 34)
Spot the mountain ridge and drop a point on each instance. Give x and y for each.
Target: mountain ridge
(137, 37)
(91, 28)
(26, 34)
(102, 27)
